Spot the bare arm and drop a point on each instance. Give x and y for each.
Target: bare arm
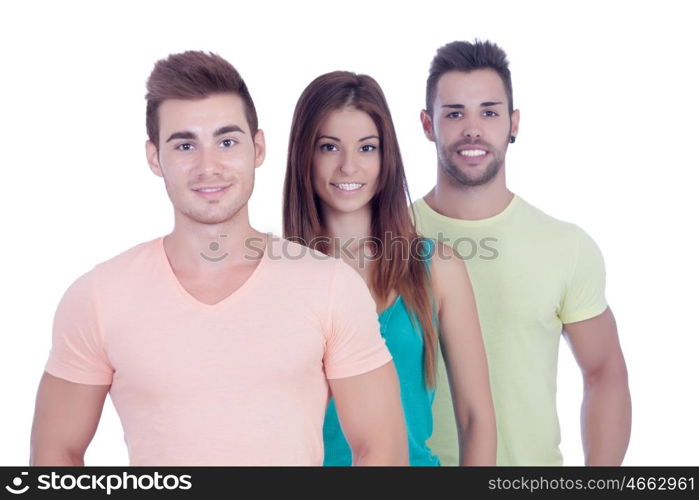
(65, 420)
(371, 416)
(606, 407)
(465, 359)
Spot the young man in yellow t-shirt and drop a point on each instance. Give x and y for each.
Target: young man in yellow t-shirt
(534, 277)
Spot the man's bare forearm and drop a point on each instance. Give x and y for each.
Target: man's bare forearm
(606, 417)
(55, 459)
(477, 443)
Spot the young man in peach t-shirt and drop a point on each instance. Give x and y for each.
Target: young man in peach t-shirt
(219, 345)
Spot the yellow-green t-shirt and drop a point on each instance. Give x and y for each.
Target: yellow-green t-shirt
(530, 274)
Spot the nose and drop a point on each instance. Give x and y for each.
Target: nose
(209, 164)
(472, 128)
(348, 164)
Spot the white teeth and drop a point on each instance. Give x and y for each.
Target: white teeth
(349, 187)
(209, 190)
(471, 152)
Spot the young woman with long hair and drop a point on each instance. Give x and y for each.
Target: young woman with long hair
(345, 194)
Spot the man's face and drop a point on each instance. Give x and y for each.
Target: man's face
(207, 156)
(470, 125)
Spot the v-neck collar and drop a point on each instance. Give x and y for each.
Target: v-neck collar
(239, 292)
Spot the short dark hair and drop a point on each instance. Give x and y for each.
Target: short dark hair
(193, 75)
(467, 56)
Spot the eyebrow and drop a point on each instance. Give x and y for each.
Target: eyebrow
(181, 135)
(338, 140)
(228, 129)
(461, 106)
(185, 134)
(329, 137)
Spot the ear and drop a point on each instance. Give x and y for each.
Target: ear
(514, 123)
(427, 128)
(152, 158)
(260, 148)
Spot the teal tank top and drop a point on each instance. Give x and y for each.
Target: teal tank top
(406, 345)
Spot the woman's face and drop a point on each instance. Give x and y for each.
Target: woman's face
(346, 161)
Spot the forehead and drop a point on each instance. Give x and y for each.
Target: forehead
(459, 87)
(347, 122)
(201, 115)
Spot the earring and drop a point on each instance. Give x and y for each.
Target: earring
(512, 139)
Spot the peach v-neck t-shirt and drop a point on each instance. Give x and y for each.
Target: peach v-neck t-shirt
(243, 381)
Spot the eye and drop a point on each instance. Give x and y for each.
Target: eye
(367, 148)
(328, 147)
(228, 143)
(455, 114)
(489, 112)
(185, 146)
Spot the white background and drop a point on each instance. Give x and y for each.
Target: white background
(608, 94)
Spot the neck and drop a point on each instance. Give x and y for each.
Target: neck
(196, 248)
(469, 202)
(347, 230)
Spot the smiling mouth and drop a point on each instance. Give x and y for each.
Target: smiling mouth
(212, 191)
(348, 186)
(473, 153)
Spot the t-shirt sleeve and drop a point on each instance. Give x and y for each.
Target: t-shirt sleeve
(353, 340)
(584, 294)
(77, 350)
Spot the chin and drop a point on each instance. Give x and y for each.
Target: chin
(350, 209)
(214, 217)
(469, 177)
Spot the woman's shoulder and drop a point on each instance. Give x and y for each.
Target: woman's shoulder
(448, 269)
(438, 252)
(435, 253)
(425, 247)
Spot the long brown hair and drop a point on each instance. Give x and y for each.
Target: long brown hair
(401, 266)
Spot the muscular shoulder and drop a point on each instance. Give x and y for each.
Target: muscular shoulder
(130, 260)
(543, 225)
(293, 255)
(301, 268)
